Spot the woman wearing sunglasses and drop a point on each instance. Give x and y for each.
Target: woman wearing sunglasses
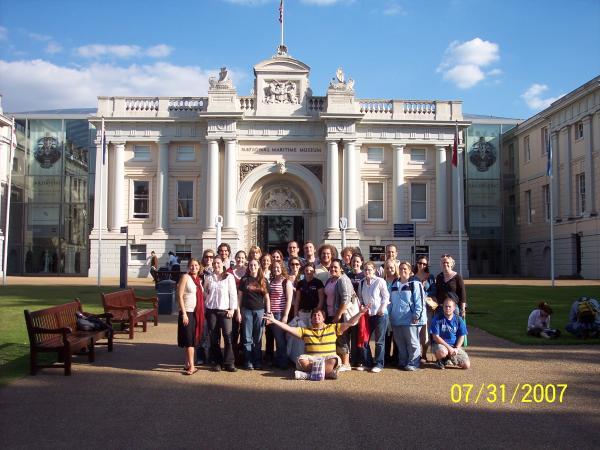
(427, 279)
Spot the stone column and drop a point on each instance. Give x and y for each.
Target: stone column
(100, 210)
(333, 208)
(567, 178)
(162, 188)
(230, 174)
(118, 187)
(590, 200)
(398, 192)
(556, 177)
(212, 181)
(351, 183)
(441, 191)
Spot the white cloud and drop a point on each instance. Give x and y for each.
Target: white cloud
(462, 61)
(39, 37)
(3, 33)
(533, 97)
(38, 84)
(53, 47)
(494, 72)
(393, 9)
(464, 75)
(123, 51)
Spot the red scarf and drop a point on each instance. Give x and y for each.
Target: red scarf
(363, 331)
(199, 311)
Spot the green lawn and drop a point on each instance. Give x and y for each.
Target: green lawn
(500, 310)
(14, 344)
(503, 310)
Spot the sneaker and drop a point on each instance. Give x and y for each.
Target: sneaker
(545, 335)
(216, 368)
(299, 375)
(376, 369)
(360, 368)
(411, 368)
(440, 365)
(248, 366)
(230, 369)
(345, 368)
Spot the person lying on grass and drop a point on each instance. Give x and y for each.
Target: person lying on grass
(319, 341)
(448, 334)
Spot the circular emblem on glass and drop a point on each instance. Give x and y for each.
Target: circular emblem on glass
(482, 155)
(47, 151)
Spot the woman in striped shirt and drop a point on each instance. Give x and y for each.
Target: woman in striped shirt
(280, 300)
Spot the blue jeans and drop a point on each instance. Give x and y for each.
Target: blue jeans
(406, 338)
(281, 359)
(253, 330)
(377, 326)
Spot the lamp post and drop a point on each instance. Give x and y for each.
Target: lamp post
(219, 225)
(343, 228)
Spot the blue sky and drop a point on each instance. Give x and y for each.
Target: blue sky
(504, 58)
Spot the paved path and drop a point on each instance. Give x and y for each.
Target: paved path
(137, 398)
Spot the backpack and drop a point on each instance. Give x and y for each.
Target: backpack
(586, 312)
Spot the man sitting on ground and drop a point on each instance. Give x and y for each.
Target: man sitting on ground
(584, 318)
(319, 341)
(449, 333)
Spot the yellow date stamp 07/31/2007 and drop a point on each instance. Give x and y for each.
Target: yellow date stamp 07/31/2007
(491, 393)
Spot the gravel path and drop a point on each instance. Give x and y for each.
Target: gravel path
(136, 397)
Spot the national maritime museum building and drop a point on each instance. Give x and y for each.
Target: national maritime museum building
(280, 164)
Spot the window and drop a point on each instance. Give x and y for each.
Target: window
(511, 158)
(375, 154)
(375, 201)
(186, 153)
(141, 153)
(512, 205)
(141, 199)
(418, 155)
(183, 252)
(526, 149)
(137, 252)
(580, 192)
(528, 206)
(418, 201)
(185, 199)
(579, 130)
(545, 137)
(546, 197)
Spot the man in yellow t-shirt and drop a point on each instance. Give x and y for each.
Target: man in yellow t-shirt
(319, 341)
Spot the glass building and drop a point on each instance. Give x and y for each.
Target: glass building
(50, 198)
(486, 172)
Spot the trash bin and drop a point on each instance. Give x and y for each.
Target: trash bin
(165, 291)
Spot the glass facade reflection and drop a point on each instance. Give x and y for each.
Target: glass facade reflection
(484, 212)
(50, 201)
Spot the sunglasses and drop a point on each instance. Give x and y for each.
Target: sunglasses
(295, 264)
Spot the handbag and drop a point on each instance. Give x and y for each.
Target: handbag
(352, 308)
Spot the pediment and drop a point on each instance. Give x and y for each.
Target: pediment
(281, 64)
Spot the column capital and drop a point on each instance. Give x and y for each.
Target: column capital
(441, 147)
(587, 118)
(565, 129)
(116, 143)
(397, 146)
(163, 141)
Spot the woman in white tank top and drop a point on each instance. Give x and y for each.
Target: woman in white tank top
(187, 295)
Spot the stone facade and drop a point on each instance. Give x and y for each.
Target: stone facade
(278, 156)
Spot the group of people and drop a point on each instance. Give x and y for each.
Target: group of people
(319, 311)
(584, 320)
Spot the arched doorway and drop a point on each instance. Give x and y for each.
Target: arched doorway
(278, 203)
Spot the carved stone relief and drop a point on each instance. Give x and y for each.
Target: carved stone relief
(246, 168)
(316, 169)
(279, 197)
(281, 92)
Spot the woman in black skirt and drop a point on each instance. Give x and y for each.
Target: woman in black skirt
(191, 305)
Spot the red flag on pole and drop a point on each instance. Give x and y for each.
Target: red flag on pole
(455, 148)
(281, 11)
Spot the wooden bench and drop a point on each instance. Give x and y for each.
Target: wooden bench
(54, 329)
(123, 306)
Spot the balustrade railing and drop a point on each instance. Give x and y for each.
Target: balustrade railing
(246, 103)
(141, 104)
(419, 107)
(383, 107)
(317, 104)
(188, 104)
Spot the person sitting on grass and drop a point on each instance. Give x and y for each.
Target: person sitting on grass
(319, 341)
(584, 318)
(448, 334)
(538, 324)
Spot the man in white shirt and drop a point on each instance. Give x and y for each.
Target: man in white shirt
(390, 252)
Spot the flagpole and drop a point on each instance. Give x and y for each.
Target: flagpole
(281, 19)
(551, 188)
(459, 193)
(100, 204)
(13, 145)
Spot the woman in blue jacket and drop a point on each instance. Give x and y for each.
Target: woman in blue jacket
(407, 315)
